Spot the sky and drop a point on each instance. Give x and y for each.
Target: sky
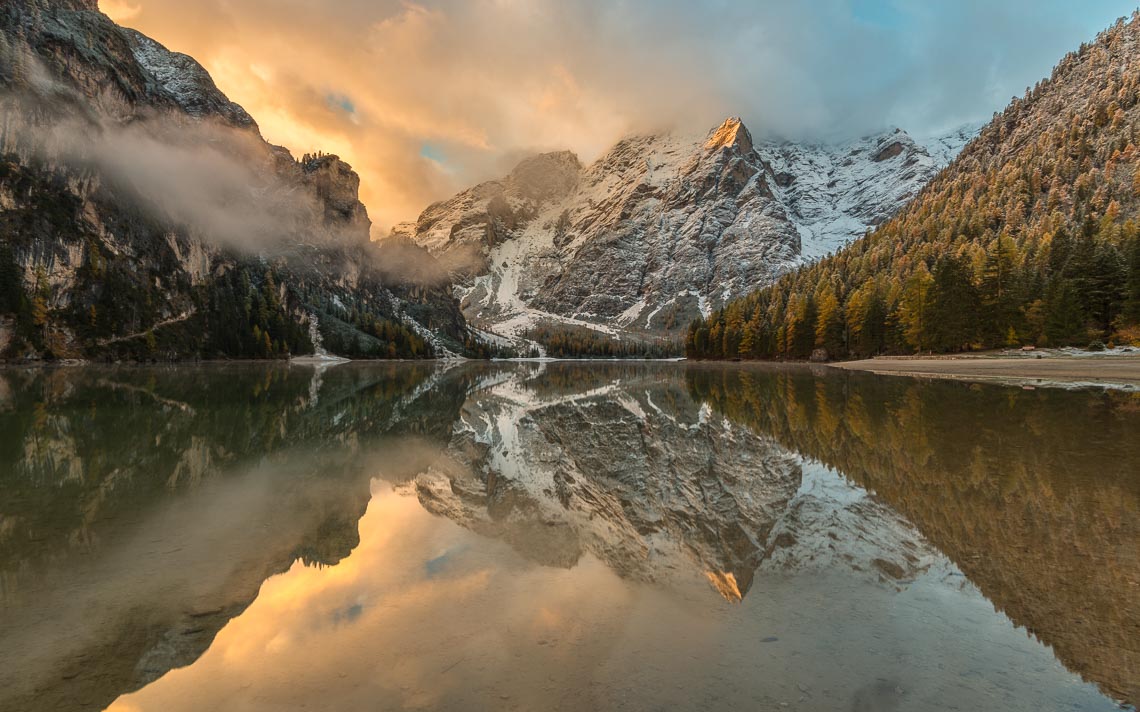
(427, 98)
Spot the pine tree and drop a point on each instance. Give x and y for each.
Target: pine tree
(953, 308)
(1131, 310)
(804, 328)
(829, 329)
(1100, 284)
(748, 341)
(1064, 318)
(998, 291)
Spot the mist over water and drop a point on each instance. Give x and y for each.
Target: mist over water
(563, 536)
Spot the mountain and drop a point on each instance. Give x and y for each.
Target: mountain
(836, 192)
(660, 488)
(663, 228)
(1029, 237)
(144, 216)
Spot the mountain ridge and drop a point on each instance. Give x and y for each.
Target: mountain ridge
(663, 228)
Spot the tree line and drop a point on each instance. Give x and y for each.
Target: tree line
(572, 342)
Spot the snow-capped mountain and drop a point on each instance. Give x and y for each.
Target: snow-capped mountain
(664, 227)
(661, 486)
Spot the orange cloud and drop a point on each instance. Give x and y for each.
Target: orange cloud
(426, 98)
(120, 10)
(422, 102)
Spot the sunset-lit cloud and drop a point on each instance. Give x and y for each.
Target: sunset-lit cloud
(424, 99)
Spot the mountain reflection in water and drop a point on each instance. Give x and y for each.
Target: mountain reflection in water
(563, 536)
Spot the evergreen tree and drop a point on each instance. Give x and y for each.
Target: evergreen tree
(803, 340)
(830, 326)
(953, 308)
(1064, 317)
(866, 320)
(1102, 286)
(914, 310)
(1131, 310)
(1060, 251)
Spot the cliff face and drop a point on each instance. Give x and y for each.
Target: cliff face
(143, 216)
(663, 228)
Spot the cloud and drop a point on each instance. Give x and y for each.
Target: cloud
(218, 183)
(221, 184)
(376, 81)
(120, 9)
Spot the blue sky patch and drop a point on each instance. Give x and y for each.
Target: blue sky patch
(433, 153)
(341, 103)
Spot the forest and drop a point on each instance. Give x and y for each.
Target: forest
(577, 342)
(1029, 238)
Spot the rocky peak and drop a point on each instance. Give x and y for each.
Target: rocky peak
(338, 187)
(893, 144)
(547, 176)
(172, 228)
(74, 58)
(731, 134)
(71, 5)
(663, 227)
(187, 81)
(830, 188)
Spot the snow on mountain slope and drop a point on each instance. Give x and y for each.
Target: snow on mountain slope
(836, 192)
(946, 147)
(663, 228)
(645, 478)
(185, 80)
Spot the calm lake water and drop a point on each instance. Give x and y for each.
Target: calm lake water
(563, 536)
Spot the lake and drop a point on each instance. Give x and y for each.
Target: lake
(563, 536)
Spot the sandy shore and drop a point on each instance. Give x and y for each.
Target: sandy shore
(1117, 371)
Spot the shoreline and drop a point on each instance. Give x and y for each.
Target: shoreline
(1116, 372)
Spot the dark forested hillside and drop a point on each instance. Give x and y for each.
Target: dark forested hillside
(1029, 237)
(143, 216)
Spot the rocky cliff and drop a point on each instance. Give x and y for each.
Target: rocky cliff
(142, 215)
(664, 227)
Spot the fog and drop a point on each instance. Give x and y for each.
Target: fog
(222, 185)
